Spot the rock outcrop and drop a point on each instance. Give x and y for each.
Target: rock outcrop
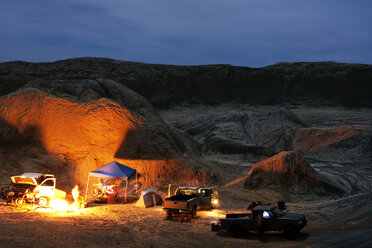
(288, 172)
(309, 139)
(238, 129)
(85, 124)
(321, 83)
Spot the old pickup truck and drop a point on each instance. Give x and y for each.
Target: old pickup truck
(33, 187)
(263, 218)
(188, 199)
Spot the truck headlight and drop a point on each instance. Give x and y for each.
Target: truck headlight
(215, 201)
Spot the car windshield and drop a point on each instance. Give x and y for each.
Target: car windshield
(277, 212)
(186, 192)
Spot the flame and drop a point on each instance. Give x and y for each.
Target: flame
(75, 193)
(79, 201)
(62, 205)
(59, 204)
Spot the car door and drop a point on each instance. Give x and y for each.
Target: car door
(47, 187)
(205, 198)
(272, 222)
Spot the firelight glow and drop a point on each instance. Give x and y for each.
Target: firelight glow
(59, 205)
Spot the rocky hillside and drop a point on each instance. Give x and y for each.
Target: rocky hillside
(72, 116)
(72, 127)
(323, 83)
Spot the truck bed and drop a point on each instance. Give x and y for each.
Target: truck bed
(180, 197)
(179, 202)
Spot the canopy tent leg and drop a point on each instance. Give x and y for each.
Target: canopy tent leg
(86, 190)
(126, 191)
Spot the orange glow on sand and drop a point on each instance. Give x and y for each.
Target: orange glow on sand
(215, 213)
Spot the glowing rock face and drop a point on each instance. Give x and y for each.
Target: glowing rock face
(89, 134)
(70, 126)
(73, 129)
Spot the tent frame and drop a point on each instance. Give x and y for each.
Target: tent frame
(126, 187)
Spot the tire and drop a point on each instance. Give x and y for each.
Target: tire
(193, 213)
(236, 231)
(290, 232)
(169, 215)
(95, 191)
(19, 201)
(43, 201)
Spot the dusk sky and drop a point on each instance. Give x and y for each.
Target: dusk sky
(188, 32)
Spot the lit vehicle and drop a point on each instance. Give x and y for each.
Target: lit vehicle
(34, 187)
(188, 199)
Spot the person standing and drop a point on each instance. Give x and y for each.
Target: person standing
(260, 225)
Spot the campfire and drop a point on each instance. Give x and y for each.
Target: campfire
(62, 205)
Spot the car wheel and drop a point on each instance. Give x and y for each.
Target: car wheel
(290, 232)
(168, 215)
(43, 201)
(193, 214)
(95, 191)
(19, 201)
(236, 231)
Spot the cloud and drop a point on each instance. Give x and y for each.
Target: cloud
(253, 33)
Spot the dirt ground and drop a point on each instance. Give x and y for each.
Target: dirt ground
(125, 225)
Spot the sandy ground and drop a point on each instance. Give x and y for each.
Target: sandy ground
(125, 225)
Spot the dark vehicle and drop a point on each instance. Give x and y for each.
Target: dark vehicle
(188, 199)
(263, 218)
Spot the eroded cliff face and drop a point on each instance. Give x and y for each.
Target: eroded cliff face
(83, 131)
(314, 84)
(288, 172)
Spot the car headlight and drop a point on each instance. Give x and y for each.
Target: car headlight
(300, 222)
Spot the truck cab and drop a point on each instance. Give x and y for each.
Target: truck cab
(208, 198)
(37, 186)
(46, 188)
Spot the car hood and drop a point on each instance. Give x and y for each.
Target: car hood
(290, 216)
(23, 180)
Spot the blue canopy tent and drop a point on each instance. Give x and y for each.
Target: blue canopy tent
(113, 170)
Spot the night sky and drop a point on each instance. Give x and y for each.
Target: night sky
(188, 32)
